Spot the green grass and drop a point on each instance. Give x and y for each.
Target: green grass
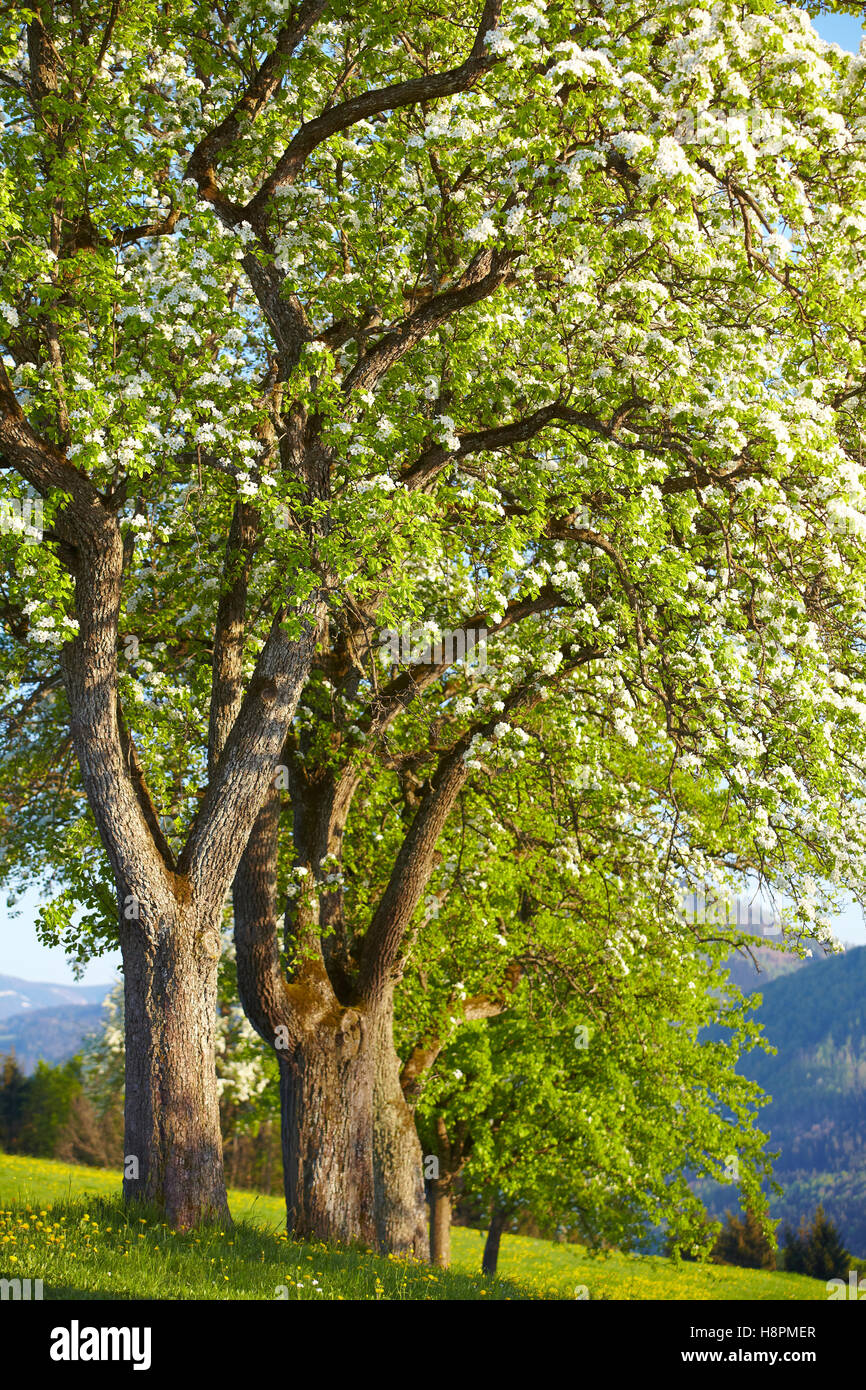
(42, 1180)
(66, 1225)
(564, 1271)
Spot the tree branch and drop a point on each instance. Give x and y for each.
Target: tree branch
(414, 862)
(480, 1006)
(374, 103)
(482, 277)
(239, 785)
(228, 647)
(201, 164)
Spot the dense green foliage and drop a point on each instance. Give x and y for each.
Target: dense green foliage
(716, 584)
(36, 1112)
(590, 1103)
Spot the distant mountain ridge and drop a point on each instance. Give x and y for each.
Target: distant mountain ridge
(17, 996)
(52, 1035)
(752, 970)
(47, 1021)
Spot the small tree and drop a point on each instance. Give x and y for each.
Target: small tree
(543, 1105)
(34, 1109)
(816, 1249)
(744, 1242)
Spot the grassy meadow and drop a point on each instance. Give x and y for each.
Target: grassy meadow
(66, 1225)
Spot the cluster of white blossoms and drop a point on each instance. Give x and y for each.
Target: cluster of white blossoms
(240, 1073)
(47, 628)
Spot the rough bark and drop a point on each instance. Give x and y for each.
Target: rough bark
(326, 1095)
(490, 1258)
(311, 1004)
(351, 1156)
(169, 934)
(326, 1072)
(170, 910)
(172, 1143)
(397, 1156)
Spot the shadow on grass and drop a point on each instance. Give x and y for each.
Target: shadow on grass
(250, 1259)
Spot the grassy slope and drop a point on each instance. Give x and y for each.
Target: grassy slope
(88, 1246)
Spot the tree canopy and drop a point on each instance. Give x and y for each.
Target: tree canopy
(320, 325)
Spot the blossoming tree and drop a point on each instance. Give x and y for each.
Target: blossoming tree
(319, 323)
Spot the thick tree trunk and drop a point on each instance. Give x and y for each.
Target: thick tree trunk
(172, 1144)
(490, 1258)
(351, 1156)
(401, 1225)
(326, 1098)
(440, 1222)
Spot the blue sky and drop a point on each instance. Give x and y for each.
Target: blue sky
(21, 953)
(844, 29)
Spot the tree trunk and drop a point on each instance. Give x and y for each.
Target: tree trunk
(351, 1156)
(267, 1175)
(324, 1054)
(490, 1258)
(326, 1101)
(401, 1225)
(440, 1222)
(172, 1143)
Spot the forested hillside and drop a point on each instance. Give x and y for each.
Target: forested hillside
(815, 1016)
